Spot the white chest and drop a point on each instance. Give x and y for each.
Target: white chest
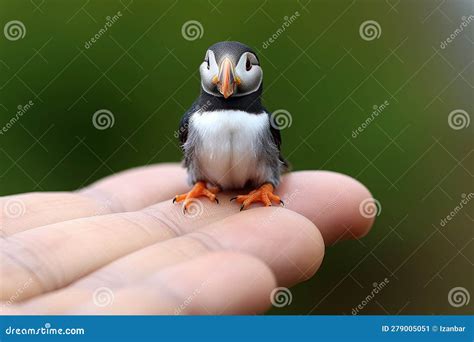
(229, 145)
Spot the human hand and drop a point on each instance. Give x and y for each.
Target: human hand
(120, 246)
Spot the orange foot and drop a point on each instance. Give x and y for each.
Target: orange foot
(199, 189)
(263, 194)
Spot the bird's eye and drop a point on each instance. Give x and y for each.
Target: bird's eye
(208, 65)
(248, 65)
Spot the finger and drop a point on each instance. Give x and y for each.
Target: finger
(58, 254)
(337, 204)
(140, 187)
(49, 257)
(286, 241)
(214, 284)
(126, 191)
(332, 201)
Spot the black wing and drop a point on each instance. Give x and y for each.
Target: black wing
(276, 135)
(184, 123)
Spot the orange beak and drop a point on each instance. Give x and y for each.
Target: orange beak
(226, 78)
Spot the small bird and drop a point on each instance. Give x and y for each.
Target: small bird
(228, 138)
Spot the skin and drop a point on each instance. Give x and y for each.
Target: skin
(124, 233)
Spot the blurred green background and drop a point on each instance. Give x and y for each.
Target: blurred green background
(320, 69)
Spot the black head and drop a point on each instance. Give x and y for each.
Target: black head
(230, 70)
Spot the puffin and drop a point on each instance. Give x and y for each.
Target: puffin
(229, 140)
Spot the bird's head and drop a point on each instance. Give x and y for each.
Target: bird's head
(230, 69)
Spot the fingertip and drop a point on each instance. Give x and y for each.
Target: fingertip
(219, 283)
(307, 244)
(360, 206)
(255, 278)
(338, 204)
(288, 242)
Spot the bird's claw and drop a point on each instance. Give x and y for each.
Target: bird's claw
(199, 190)
(263, 194)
